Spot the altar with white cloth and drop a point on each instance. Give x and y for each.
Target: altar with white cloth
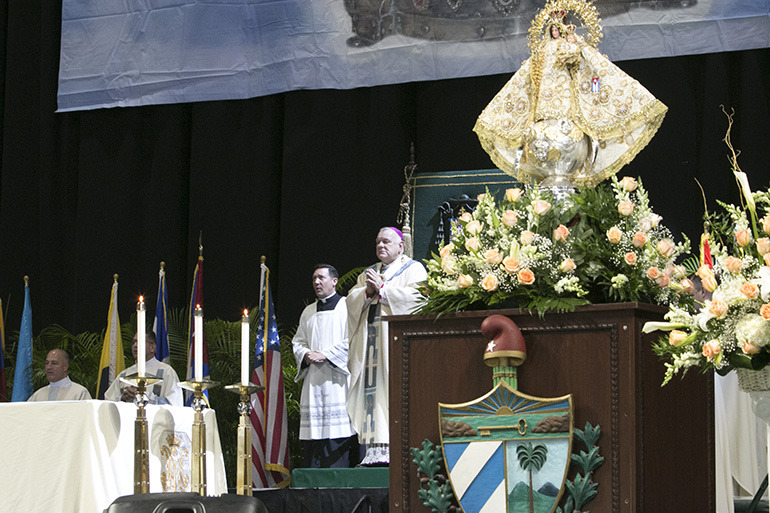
(78, 456)
(741, 448)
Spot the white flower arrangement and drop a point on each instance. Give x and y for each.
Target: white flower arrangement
(730, 328)
(530, 250)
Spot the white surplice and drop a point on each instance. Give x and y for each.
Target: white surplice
(323, 411)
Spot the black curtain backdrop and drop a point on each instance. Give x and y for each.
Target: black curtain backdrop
(301, 177)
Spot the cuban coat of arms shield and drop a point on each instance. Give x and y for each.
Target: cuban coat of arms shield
(507, 451)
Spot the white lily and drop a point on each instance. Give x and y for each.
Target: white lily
(743, 182)
(651, 326)
(763, 281)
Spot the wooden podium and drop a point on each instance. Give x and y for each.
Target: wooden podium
(658, 442)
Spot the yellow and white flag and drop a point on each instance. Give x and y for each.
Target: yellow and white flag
(112, 361)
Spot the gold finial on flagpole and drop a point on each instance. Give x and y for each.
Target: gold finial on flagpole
(26, 280)
(405, 205)
(200, 244)
(115, 277)
(262, 260)
(162, 265)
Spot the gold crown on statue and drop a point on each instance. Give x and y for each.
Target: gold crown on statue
(558, 16)
(555, 12)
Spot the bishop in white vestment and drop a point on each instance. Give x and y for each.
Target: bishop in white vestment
(388, 287)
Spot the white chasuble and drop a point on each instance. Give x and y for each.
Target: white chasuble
(368, 363)
(63, 390)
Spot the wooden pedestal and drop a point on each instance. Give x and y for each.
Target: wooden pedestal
(658, 442)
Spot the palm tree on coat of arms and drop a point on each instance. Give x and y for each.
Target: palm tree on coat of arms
(531, 458)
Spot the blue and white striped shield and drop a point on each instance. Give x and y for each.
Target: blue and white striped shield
(507, 451)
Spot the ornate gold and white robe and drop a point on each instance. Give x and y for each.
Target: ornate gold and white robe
(574, 81)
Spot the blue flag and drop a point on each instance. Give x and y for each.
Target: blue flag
(22, 377)
(161, 319)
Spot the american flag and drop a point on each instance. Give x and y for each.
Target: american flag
(269, 435)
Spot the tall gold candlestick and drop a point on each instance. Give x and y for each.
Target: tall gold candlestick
(243, 474)
(141, 432)
(198, 463)
(141, 446)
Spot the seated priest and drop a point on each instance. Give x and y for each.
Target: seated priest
(165, 392)
(60, 387)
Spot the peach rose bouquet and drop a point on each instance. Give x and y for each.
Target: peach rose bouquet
(632, 256)
(729, 328)
(515, 251)
(529, 249)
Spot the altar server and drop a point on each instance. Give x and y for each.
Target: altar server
(60, 387)
(165, 392)
(388, 287)
(321, 350)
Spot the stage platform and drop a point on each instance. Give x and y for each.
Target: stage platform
(330, 490)
(324, 500)
(342, 490)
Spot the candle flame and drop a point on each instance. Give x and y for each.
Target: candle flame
(141, 299)
(245, 312)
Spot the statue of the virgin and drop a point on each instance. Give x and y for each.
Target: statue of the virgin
(568, 116)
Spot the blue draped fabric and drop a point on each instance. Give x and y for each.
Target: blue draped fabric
(136, 52)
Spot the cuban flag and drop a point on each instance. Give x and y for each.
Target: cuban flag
(196, 299)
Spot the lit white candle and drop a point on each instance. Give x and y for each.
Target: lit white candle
(245, 348)
(141, 346)
(198, 354)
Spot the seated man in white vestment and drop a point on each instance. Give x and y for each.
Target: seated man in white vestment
(321, 350)
(388, 287)
(165, 392)
(60, 387)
